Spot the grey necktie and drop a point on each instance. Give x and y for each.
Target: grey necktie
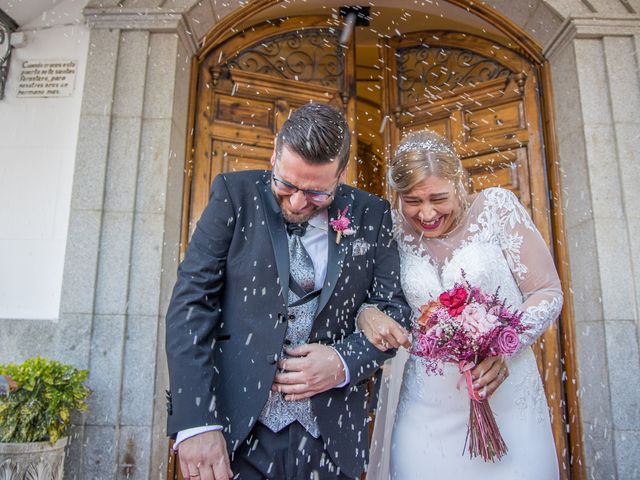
(300, 263)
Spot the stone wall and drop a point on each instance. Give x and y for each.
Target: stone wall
(124, 233)
(597, 95)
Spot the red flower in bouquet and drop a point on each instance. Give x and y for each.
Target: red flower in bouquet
(464, 326)
(455, 300)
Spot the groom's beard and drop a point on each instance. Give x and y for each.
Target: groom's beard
(293, 217)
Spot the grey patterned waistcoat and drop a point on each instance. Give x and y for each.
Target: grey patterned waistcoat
(278, 413)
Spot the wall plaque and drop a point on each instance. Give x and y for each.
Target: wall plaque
(47, 78)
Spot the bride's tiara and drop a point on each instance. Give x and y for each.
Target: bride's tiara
(429, 144)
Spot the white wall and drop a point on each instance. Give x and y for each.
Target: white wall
(38, 139)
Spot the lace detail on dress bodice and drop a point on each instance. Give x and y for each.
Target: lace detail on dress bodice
(483, 265)
(419, 278)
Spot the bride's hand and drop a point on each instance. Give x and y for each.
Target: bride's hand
(488, 375)
(381, 330)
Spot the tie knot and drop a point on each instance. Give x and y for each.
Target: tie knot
(297, 228)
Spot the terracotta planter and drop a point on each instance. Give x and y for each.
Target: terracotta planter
(32, 461)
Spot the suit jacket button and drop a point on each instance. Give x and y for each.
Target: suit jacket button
(287, 342)
(272, 359)
(292, 317)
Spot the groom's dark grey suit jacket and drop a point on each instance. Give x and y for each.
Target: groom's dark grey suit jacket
(228, 315)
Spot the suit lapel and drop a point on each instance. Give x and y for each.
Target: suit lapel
(337, 252)
(278, 235)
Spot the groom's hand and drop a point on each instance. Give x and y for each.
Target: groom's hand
(204, 457)
(312, 369)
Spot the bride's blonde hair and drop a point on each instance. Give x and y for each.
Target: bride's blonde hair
(423, 154)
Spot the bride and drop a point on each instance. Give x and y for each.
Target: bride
(442, 231)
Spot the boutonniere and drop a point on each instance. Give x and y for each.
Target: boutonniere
(341, 225)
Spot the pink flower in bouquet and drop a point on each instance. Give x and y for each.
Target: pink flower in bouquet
(455, 300)
(508, 341)
(477, 321)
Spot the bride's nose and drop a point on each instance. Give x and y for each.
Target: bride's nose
(427, 214)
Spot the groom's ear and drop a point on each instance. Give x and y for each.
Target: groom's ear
(273, 158)
(343, 175)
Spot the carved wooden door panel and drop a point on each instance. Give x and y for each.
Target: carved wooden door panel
(246, 89)
(484, 99)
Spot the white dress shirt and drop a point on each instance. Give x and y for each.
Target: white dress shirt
(316, 243)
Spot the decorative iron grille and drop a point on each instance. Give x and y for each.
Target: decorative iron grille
(430, 71)
(311, 55)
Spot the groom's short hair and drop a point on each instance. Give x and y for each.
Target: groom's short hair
(318, 133)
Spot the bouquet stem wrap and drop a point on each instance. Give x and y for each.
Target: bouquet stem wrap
(483, 436)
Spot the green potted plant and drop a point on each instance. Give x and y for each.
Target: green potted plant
(35, 417)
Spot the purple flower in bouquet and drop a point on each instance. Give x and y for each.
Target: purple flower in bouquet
(425, 345)
(508, 341)
(477, 295)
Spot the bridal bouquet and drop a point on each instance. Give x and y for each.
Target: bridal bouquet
(464, 326)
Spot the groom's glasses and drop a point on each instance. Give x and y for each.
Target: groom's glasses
(286, 188)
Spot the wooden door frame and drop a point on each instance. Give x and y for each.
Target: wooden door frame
(531, 49)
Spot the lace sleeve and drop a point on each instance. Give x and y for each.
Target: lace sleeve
(530, 262)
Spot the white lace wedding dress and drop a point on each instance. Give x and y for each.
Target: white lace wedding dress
(496, 245)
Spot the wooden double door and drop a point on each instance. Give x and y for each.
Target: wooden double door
(482, 96)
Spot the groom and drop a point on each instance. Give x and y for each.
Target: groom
(268, 373)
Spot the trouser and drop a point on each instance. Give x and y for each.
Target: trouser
(290, 454)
